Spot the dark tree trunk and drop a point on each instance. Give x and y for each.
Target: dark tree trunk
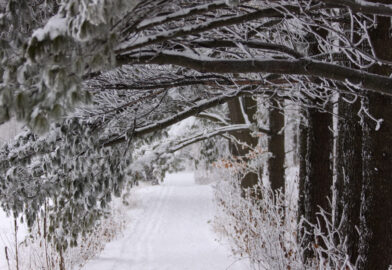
(303, 185)
(376, 210)
(316, 177)
(320, 173)
(348, 184)
(276, 147)
(315, 169)
(236, 117)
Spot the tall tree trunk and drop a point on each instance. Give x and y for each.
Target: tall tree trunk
(237, 116)
(316, 177)
(376, 210)
(320, 169)
(276, 147)
(348, 185)
(315, 170)
(304, 200)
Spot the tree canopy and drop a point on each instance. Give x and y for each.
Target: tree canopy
(95, 80)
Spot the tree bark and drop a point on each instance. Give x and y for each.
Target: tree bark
(304, 202)
(316, 177)
(348, 183)
(276, 147)
(315, 171)
(348, 166)
(237, 117)
(376, 209)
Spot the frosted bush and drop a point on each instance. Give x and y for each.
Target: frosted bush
(36, 252)
(257, 228)
(263, 228)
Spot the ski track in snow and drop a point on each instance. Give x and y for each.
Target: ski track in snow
(169, 230)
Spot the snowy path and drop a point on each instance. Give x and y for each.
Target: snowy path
(169, 230)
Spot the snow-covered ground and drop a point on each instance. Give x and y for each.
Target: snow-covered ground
(7, 237)
(169, 230)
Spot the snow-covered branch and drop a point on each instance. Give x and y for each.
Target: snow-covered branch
(307, 67)
(196, 29)
(176, 118)
(145, 24)
(375, 8)
(206, 135)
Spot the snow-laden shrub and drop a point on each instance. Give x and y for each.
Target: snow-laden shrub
(329, 246)
(37, 252)
(264, 228)
(257, 228)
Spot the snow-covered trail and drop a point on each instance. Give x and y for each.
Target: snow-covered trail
(169, 230)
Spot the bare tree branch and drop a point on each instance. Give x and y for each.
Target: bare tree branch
(202, 136)
(251, 44)
(176, 118)
(192, 30)
(364, 6)
(373, 82)
(186, 13)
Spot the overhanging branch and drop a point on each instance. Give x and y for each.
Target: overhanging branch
(176, 118)
(202, 136)
(185, 13)
(251, 44)
(307, 67)
(156, 83)
(264, 13)
(364, 6)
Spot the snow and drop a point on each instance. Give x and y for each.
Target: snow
(182, 127)
(169, 229)
(7, 237)
(232, 3)
(370, 4)
(8, 131)
(55, 27)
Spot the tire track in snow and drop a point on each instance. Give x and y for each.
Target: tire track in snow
(145, 245)
(158, 222)
(152, 204)
(156, 231)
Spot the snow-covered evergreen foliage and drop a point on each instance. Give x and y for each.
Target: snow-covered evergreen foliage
(78, 192)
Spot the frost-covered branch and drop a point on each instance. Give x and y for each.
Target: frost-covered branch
(207, 135)
(250, 44)
(370, 81)
(180, 15)
(196, 29)
(375, 8)
(176, 118)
